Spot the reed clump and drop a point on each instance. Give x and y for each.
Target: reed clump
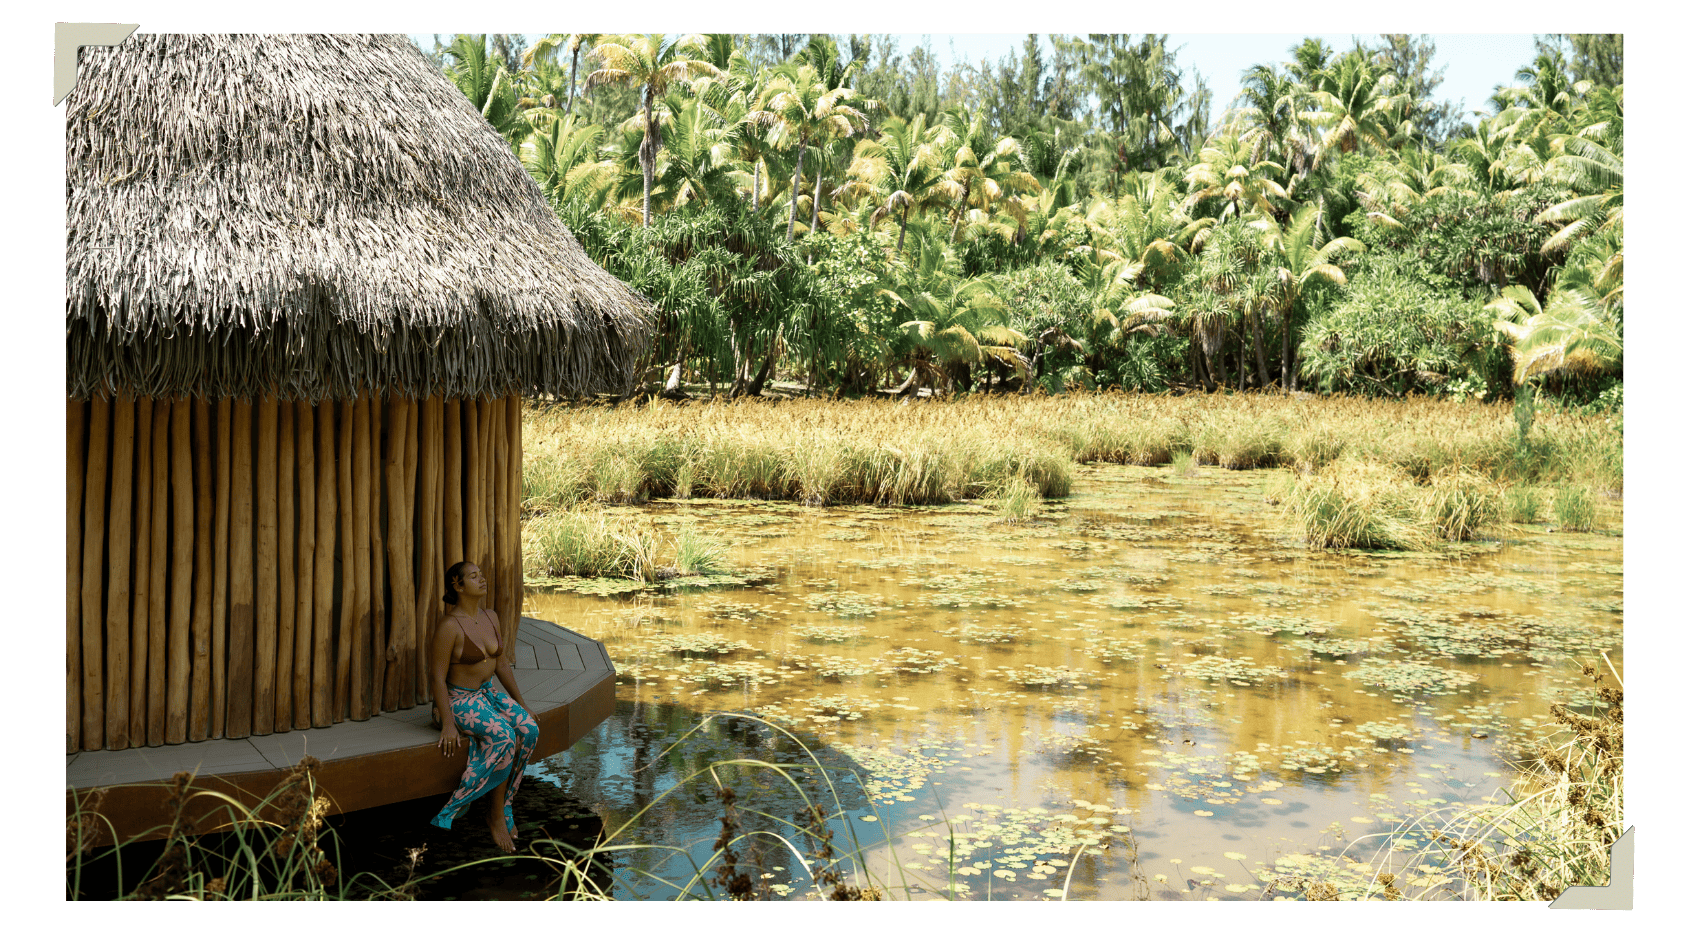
(1358, 503)
(1562, 816)
(1574, 507)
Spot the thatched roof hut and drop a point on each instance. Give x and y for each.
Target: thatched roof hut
(306, 285)
(310, 216)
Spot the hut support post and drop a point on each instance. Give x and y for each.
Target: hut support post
(242, 592)
(93, 579)
(156, 630)
(305, 556)
(264, 577)
(118, 581)
(182, 575)
(75, 456)
(285, 544)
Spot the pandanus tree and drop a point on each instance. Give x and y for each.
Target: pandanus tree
(799, 111)
(650, 62)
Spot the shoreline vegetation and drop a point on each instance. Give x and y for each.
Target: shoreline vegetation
(1353, 472)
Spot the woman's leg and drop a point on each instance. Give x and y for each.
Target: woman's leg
(492, 745)
(525, 733)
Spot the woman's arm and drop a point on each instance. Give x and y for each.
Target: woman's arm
(439, 662)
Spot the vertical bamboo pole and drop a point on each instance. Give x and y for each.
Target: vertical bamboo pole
(322, 632)
(264, 571)
(119, 581)
(286, 541)
(93, 574)
(374, 467)
(199, 692)
(500, 493)
(359, 681)
(242, 588)
(182, 576)
(489, 466)
(220, 558)
(75, 468)
(428, 564)
(451, 491)
(513, 438)
(156, 634)
(305, 422)
(412, 446)
(402, 639)
(472, 482)
(348, 566)
(141, 576)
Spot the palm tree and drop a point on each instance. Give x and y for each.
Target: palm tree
(1356, 106)
(488, 85)
(1596, 175)
(563, 159)
(1300, 257)
(1271, 117)
(1391, 187)
(799, 110)
(1580, 331)
(952, 324)
(1226, 170)
(983, 168)
(906, 162)
(546, 48)
(1151, 227)
(650, 62)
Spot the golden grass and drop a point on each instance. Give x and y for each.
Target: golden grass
(931, 452)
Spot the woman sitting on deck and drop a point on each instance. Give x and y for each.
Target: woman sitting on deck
(500, 732)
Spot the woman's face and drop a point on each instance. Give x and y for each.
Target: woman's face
(471, 580)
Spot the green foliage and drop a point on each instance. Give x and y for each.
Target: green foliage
(1074, 184)
(1481, 242)
(1524, 412)
(1397, 333)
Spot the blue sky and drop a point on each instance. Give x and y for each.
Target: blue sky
(1474, 64)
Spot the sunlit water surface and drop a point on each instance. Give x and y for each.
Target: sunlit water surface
(1153, 690)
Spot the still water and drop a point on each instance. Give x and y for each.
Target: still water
(1152, 690)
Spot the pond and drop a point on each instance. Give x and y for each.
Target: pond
(1151, 690)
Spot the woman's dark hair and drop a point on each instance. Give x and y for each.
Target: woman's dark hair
(451, 576)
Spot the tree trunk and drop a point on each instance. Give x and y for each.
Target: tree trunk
(796, 184)
(1259, 349)
(756, 187)
(903, 233)
(647, 155)
(815, 201)
(1283, 345)
(911, 385)
(574, 69)
(1198, 359)
(755, 387)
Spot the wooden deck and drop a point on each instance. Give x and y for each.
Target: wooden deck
(566, 679)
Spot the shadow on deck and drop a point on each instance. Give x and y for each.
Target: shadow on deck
(566, 678)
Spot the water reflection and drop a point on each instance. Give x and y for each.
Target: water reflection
(1152, 669)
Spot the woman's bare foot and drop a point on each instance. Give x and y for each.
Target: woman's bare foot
(500, 832)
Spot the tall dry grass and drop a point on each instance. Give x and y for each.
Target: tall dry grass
(1360, 472)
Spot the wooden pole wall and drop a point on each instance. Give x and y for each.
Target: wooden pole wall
(231, 573)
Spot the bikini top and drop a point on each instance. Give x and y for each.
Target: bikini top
(470, 645)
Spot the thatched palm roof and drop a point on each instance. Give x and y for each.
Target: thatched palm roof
(308, 215)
